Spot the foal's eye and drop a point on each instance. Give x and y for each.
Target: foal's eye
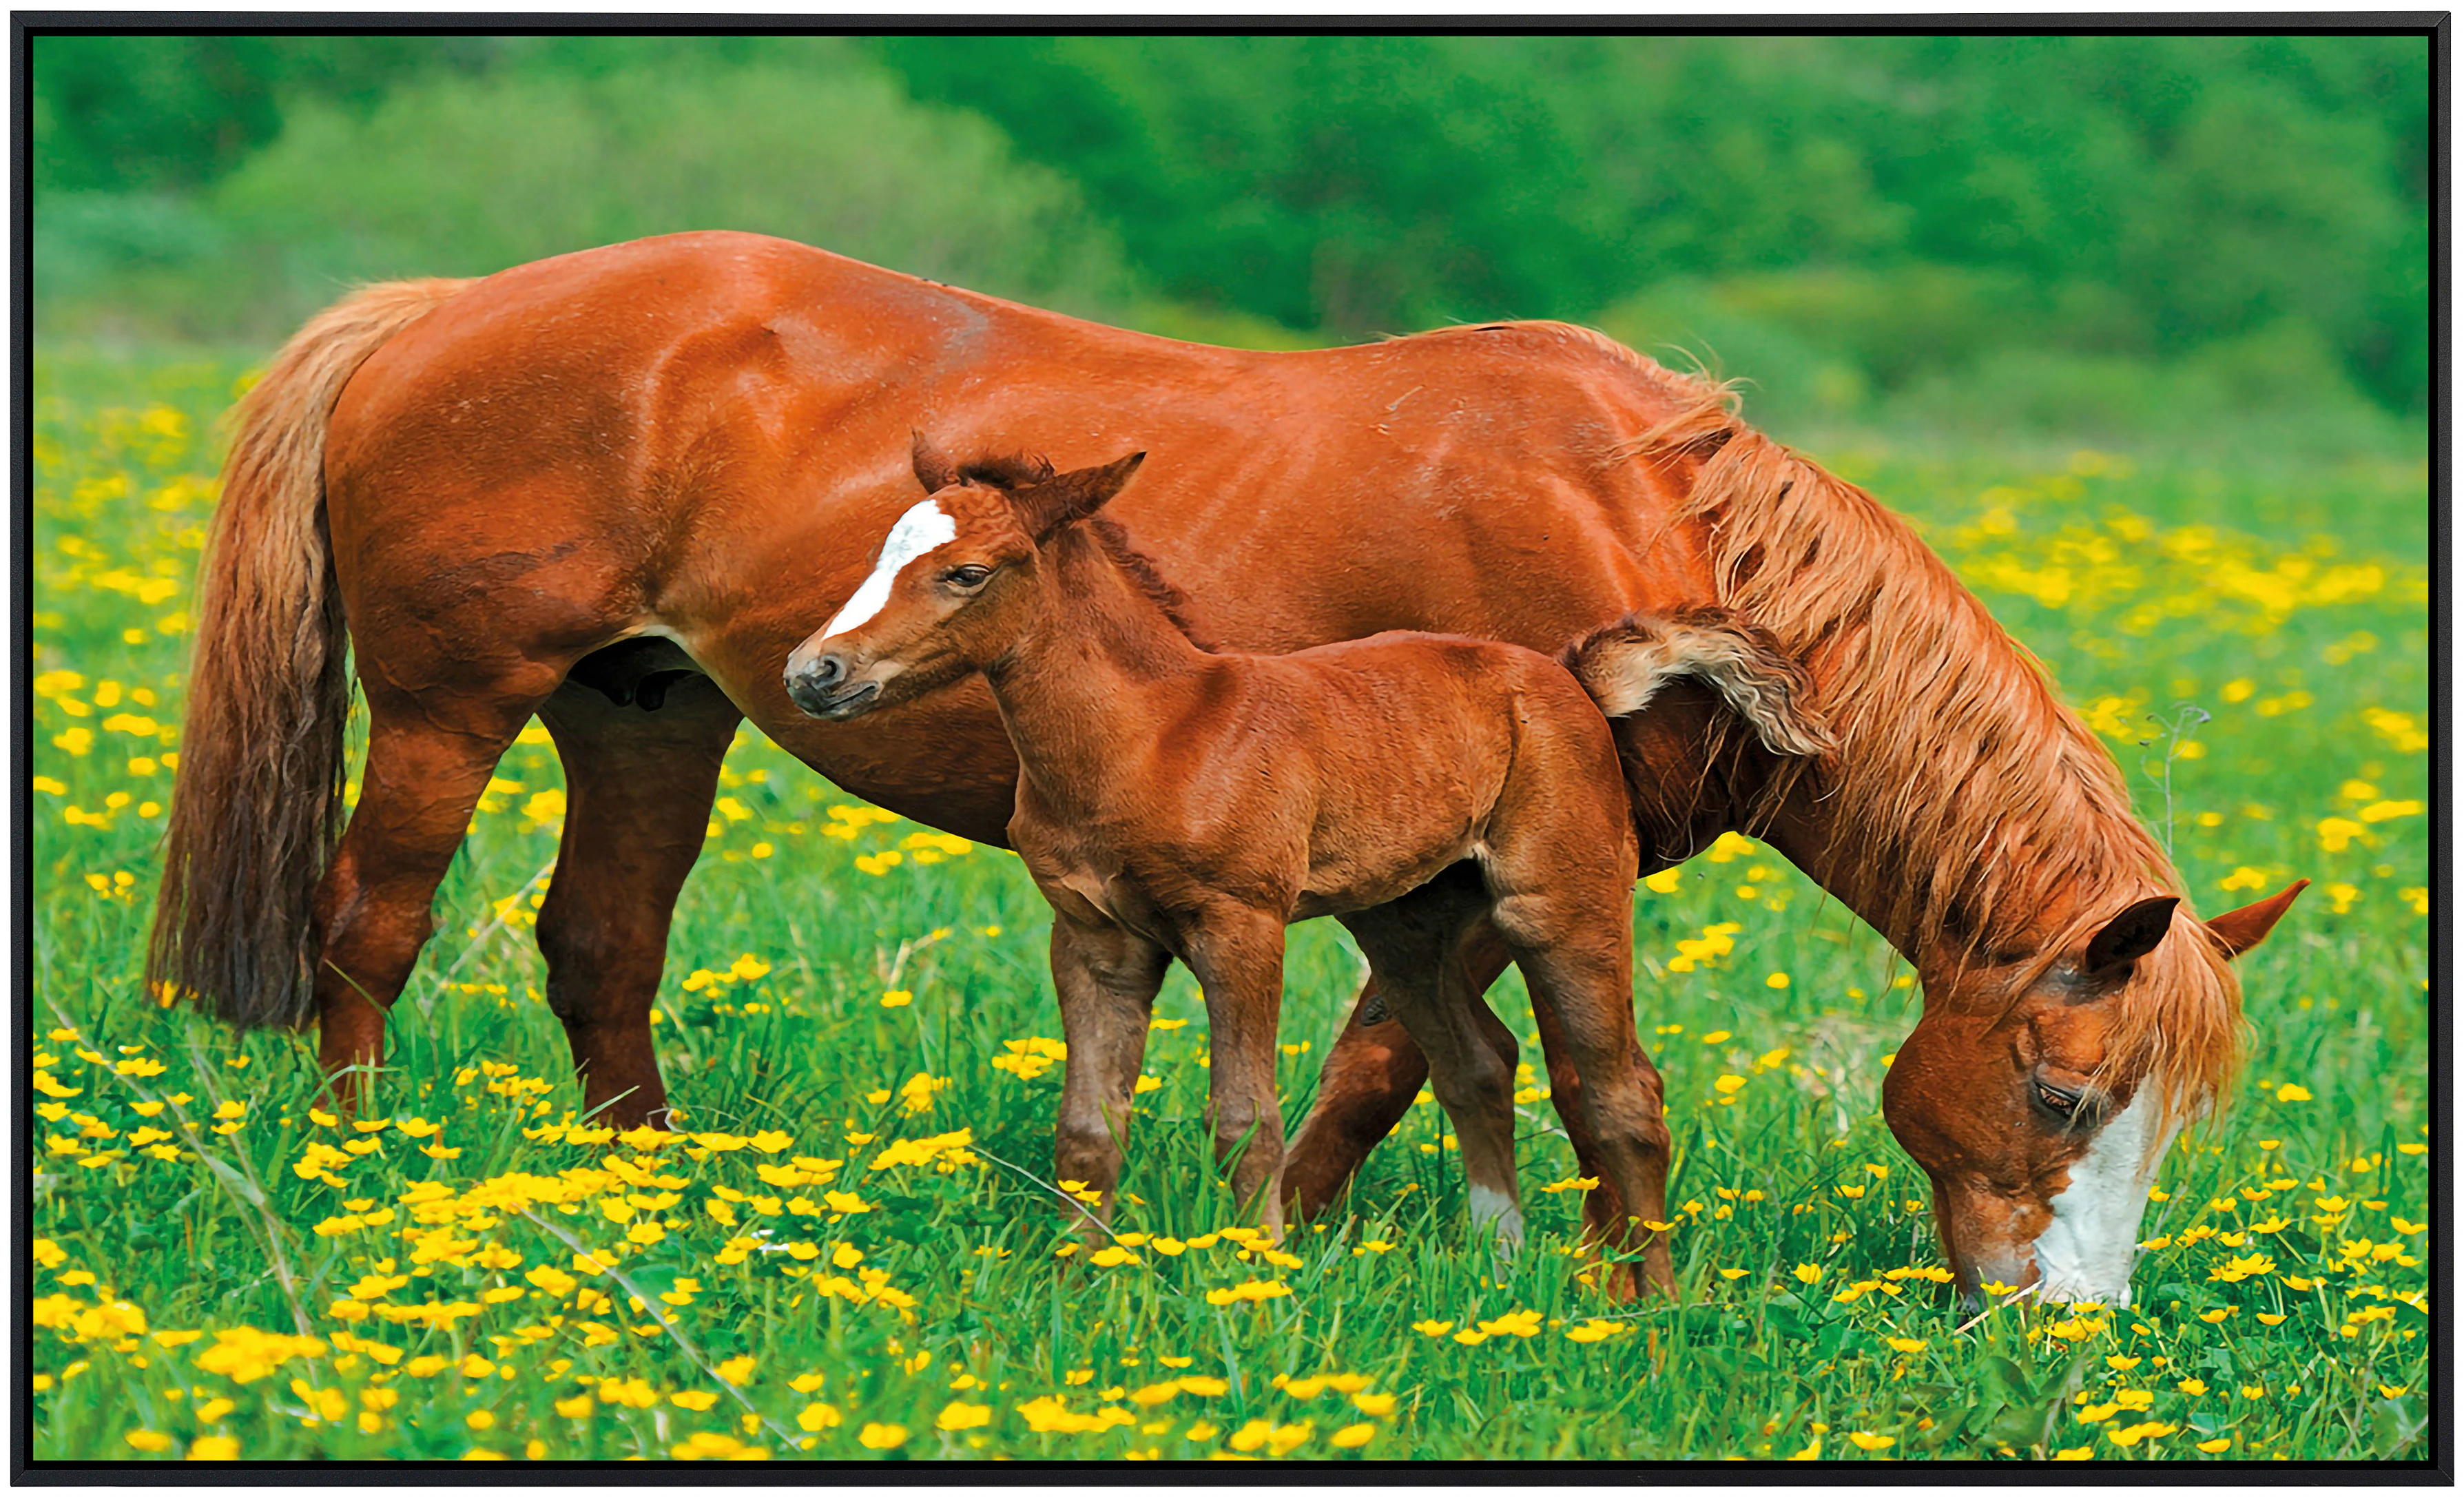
(966, 576)
(2056, 1098)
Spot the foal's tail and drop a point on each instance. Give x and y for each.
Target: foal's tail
(255, 803)
(1625, 665)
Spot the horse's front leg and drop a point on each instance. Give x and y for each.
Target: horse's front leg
(1238, 954)
(1106, 978)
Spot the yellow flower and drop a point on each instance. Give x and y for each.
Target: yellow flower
(2133, 1434)
(882, 1437)
(213, 1447)
(1256, 1290)
(1513, 1323)
(1865, 1440)
(1351, 1437)
(2289, 1093)
(1904, 1345)
(1806, 1273)
(896, 998)
(961, 1414)
(1433, 1328)
(2216, 1447)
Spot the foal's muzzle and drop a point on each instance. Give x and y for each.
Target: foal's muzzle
(820, 688)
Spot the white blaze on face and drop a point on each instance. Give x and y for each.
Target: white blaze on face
(2087, 1251)
(920, 530)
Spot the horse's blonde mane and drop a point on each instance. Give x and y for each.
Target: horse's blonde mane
(1984, 806)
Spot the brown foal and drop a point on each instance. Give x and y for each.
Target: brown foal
(1173, 802)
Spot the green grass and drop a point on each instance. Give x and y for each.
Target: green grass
(171, 1270)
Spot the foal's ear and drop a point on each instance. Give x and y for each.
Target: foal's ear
(2129, 936)
(2238, 931)
(934, 469)
(1046, 507)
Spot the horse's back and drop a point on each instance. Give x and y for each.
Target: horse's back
(705, 435)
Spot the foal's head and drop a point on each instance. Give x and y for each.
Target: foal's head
(954, 583)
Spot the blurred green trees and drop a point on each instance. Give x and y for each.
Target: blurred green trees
(1853, 219)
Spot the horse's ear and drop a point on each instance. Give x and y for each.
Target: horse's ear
(2238, 931)
(934, 469)
(1046, 507)
(2129, 936)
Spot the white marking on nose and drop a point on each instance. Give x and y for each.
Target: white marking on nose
(920, 530)
(2087, 1250)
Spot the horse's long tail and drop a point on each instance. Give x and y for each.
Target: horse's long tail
(1625, 665)
(256, 804)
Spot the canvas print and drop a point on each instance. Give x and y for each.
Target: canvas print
(1634, 749)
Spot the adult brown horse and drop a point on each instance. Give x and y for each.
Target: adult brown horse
(700, 442)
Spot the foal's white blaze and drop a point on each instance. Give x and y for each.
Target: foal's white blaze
(2087, 1251)
(920, 530)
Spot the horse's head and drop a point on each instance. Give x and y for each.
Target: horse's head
(2042, 1092)
(950, 590)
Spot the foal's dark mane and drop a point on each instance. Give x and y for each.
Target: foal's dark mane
(1021, 470)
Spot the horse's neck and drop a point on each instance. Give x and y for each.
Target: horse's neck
(1809, 831)
(1091, 677)
(1833, 842)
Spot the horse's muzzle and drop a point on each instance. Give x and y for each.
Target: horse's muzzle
(822, 689)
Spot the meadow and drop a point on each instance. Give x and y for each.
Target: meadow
(853, 1248)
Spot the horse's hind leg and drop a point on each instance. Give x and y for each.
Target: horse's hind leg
(1364, 1089)
(1418, 943)
(429, 759)
(637, 795)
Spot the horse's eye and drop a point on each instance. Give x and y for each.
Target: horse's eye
(2056, 1098)
(966, 576)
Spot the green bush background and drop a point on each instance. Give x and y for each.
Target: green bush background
(2108, 238)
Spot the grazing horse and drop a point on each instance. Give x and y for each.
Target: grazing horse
(1177, 801)
(688, 448)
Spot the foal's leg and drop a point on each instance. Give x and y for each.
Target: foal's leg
(1375, 1068)
(1603, 1209)
(1107, 980)
(429, 760)
(1415, 941)
(638, 790)
(1238, 954)
(1560, 867)
(1578, 958)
